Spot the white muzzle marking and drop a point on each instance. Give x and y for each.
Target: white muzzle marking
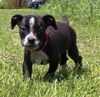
(26, 42)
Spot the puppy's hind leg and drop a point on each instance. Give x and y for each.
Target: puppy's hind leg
(63, 59)
(63, 64)
(74, 54)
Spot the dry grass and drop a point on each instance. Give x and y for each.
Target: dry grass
(16, 4)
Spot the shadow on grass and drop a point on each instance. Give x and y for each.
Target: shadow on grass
(59, 76)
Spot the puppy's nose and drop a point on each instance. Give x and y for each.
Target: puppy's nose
(31, 40)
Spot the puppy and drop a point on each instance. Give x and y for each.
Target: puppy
(46, 41)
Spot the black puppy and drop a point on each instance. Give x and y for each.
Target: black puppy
(46, 41)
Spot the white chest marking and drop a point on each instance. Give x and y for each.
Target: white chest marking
(39, 57)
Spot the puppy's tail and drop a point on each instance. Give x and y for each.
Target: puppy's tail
(65, 19)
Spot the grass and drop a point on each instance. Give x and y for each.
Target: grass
(11, 56)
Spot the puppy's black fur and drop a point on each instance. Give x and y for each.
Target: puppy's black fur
(61, 39)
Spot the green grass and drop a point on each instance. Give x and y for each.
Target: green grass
(11, 56)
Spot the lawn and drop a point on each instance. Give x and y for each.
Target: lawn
(11, 56)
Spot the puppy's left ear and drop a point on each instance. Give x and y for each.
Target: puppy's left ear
(50, 21)
(15, 20)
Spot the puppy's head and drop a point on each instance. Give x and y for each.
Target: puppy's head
(32, 29)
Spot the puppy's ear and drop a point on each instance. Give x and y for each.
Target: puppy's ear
(50, 21)
(15, 20)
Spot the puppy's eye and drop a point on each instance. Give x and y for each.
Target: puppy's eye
(23, 29)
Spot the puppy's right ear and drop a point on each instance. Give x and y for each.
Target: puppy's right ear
(15, 20)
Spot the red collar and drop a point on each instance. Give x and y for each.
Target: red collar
(39, 49)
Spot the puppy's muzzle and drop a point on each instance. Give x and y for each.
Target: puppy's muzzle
(31, 40)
